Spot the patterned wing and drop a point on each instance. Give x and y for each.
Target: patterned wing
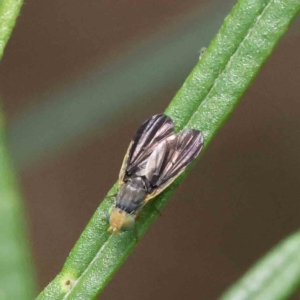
(171, 158)
(148, 136)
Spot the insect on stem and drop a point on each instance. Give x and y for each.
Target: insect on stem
(155, 158)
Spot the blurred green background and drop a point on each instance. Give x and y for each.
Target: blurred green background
(78, 78)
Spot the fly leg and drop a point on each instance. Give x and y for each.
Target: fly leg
(136, 234)
(135, 230)
(152, 203)
(110, 196)
(156, 209)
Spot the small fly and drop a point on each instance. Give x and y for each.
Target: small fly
(155, 158)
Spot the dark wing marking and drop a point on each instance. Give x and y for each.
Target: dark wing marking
(148, 136)
(171, 157)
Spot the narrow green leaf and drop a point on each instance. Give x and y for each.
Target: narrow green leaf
(9, 11)
(16, 271)
(275, 276)
(246, 39)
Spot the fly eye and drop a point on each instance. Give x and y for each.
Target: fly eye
(128, 223)
(108, 213)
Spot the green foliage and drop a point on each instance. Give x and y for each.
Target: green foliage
(246, 39)
(16, 274)
(9, 11)
(275, 276)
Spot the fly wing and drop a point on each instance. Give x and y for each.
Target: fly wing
(171, 158)
(148, 136)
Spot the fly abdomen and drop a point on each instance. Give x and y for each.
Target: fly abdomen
(132, 195)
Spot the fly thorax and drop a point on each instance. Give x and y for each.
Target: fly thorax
(131, 195)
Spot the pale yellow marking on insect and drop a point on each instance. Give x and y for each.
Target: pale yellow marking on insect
(124, 165)
(116, 221)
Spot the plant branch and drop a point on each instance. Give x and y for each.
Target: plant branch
(208, 96)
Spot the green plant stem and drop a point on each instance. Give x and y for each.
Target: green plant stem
(16, 272)
(208, 96)
(275, 276)
(9, 11)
